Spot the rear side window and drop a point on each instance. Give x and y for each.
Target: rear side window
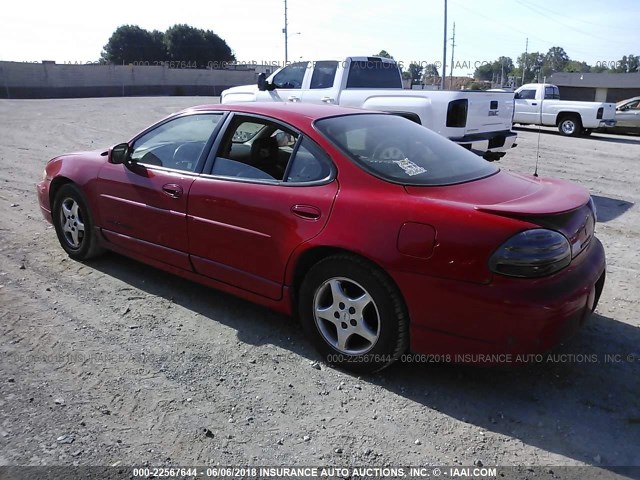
(324, 74)
(310, 163)
(257, 149)
(551, 93)
(374, 73)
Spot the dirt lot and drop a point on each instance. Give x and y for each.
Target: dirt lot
(113, 361)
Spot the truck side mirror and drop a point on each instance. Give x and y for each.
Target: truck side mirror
(262, 82)
(516, 95)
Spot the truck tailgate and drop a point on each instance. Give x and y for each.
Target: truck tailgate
(488, 111)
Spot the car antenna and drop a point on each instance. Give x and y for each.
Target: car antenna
(535, 172)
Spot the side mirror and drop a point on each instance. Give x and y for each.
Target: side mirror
(119, 154)
(262, 82)
(516, 95)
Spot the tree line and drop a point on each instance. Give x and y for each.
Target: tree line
(536, 67)
(181, 44)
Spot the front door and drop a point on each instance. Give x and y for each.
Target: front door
(143, 204)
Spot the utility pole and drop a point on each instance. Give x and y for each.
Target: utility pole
(443, 71)
(524, 64)
(453, 47)
(285, 31)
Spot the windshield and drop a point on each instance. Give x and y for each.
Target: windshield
(401, 151)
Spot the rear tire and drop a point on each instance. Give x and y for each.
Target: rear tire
(570, 125)
(73, 222)
(354, 314)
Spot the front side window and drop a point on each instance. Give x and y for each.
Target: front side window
(527, 94)
(176, 144)
(291, 76)
(400, 151)
(324, 74)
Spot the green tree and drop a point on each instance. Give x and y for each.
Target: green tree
(494, 71)
(628, 64)
(130, 43)
(193, 45)
(576, 66)
(384, 54)
(430, 75)
(532, 64)
(415, 71)
(555, 60)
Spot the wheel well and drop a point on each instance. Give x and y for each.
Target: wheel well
(562, 115)
(414, 117)
(312, 256)
(56, 183)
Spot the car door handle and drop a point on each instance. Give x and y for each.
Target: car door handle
(308, 212)
(173, 190)
(327, 100)
(293, 98)
(534, 104)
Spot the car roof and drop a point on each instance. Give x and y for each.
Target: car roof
(282, 110)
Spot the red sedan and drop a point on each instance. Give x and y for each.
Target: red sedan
(381, 236)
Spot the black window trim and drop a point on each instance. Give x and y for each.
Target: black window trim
(213, 154)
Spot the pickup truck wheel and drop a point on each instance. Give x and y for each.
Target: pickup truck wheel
(570, 125)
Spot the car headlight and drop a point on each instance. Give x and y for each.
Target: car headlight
(532, 253)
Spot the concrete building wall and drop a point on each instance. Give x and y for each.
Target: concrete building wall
(50, 80)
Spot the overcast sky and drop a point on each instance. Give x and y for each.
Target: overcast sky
(411, 30)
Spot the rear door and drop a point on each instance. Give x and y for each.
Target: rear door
(249, 212)
(324, 84)
(143, 205)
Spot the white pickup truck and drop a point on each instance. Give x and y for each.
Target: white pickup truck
(479, 121)
(540, 104)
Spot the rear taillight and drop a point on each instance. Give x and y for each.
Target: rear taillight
(457, 113)
(600, 113)
(532, 253)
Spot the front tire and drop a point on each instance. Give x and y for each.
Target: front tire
(73, 222)
(354, 314)
(570, 125)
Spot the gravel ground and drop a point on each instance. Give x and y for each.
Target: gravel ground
(113, 362)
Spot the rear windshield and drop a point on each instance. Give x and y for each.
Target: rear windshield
(374, 73)
(401, 151)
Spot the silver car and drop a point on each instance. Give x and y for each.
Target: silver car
(627, 117)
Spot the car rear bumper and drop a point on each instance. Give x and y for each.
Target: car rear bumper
(507, 316)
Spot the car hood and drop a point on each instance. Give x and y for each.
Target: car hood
(242, 93)
(511, 194)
